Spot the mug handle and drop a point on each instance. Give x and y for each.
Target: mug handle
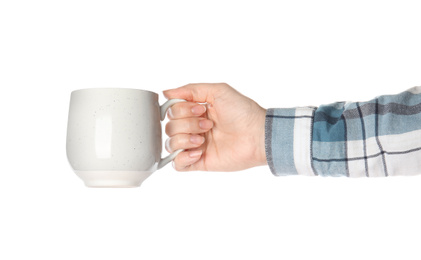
(163, 109)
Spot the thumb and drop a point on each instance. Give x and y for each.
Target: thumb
(200, 92)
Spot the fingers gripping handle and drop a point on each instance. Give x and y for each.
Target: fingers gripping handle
(169, 158)
(167, 105)
(164, 108)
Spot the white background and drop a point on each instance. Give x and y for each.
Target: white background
(280, 53)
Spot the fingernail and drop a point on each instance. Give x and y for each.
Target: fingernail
(205, 124)
(170, 114)
(198, 110)
(167, 145)
(195, 154)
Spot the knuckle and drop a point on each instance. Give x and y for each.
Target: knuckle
(223, 85)
(193, 125)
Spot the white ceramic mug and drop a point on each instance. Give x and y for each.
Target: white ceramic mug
(114, 136)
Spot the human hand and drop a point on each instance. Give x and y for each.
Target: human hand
(226, 133)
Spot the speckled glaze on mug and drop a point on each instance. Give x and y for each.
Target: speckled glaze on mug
(114, 136)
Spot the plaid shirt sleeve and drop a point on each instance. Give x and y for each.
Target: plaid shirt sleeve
(381, 137)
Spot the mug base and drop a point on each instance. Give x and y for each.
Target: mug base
(113, 179)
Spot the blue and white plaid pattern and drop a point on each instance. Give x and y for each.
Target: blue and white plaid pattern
(381, 137)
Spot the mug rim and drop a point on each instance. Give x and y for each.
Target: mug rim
(102, 88)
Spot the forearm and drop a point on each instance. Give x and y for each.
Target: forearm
(381, 137)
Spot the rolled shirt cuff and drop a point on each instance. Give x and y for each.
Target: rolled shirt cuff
(288, 140)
